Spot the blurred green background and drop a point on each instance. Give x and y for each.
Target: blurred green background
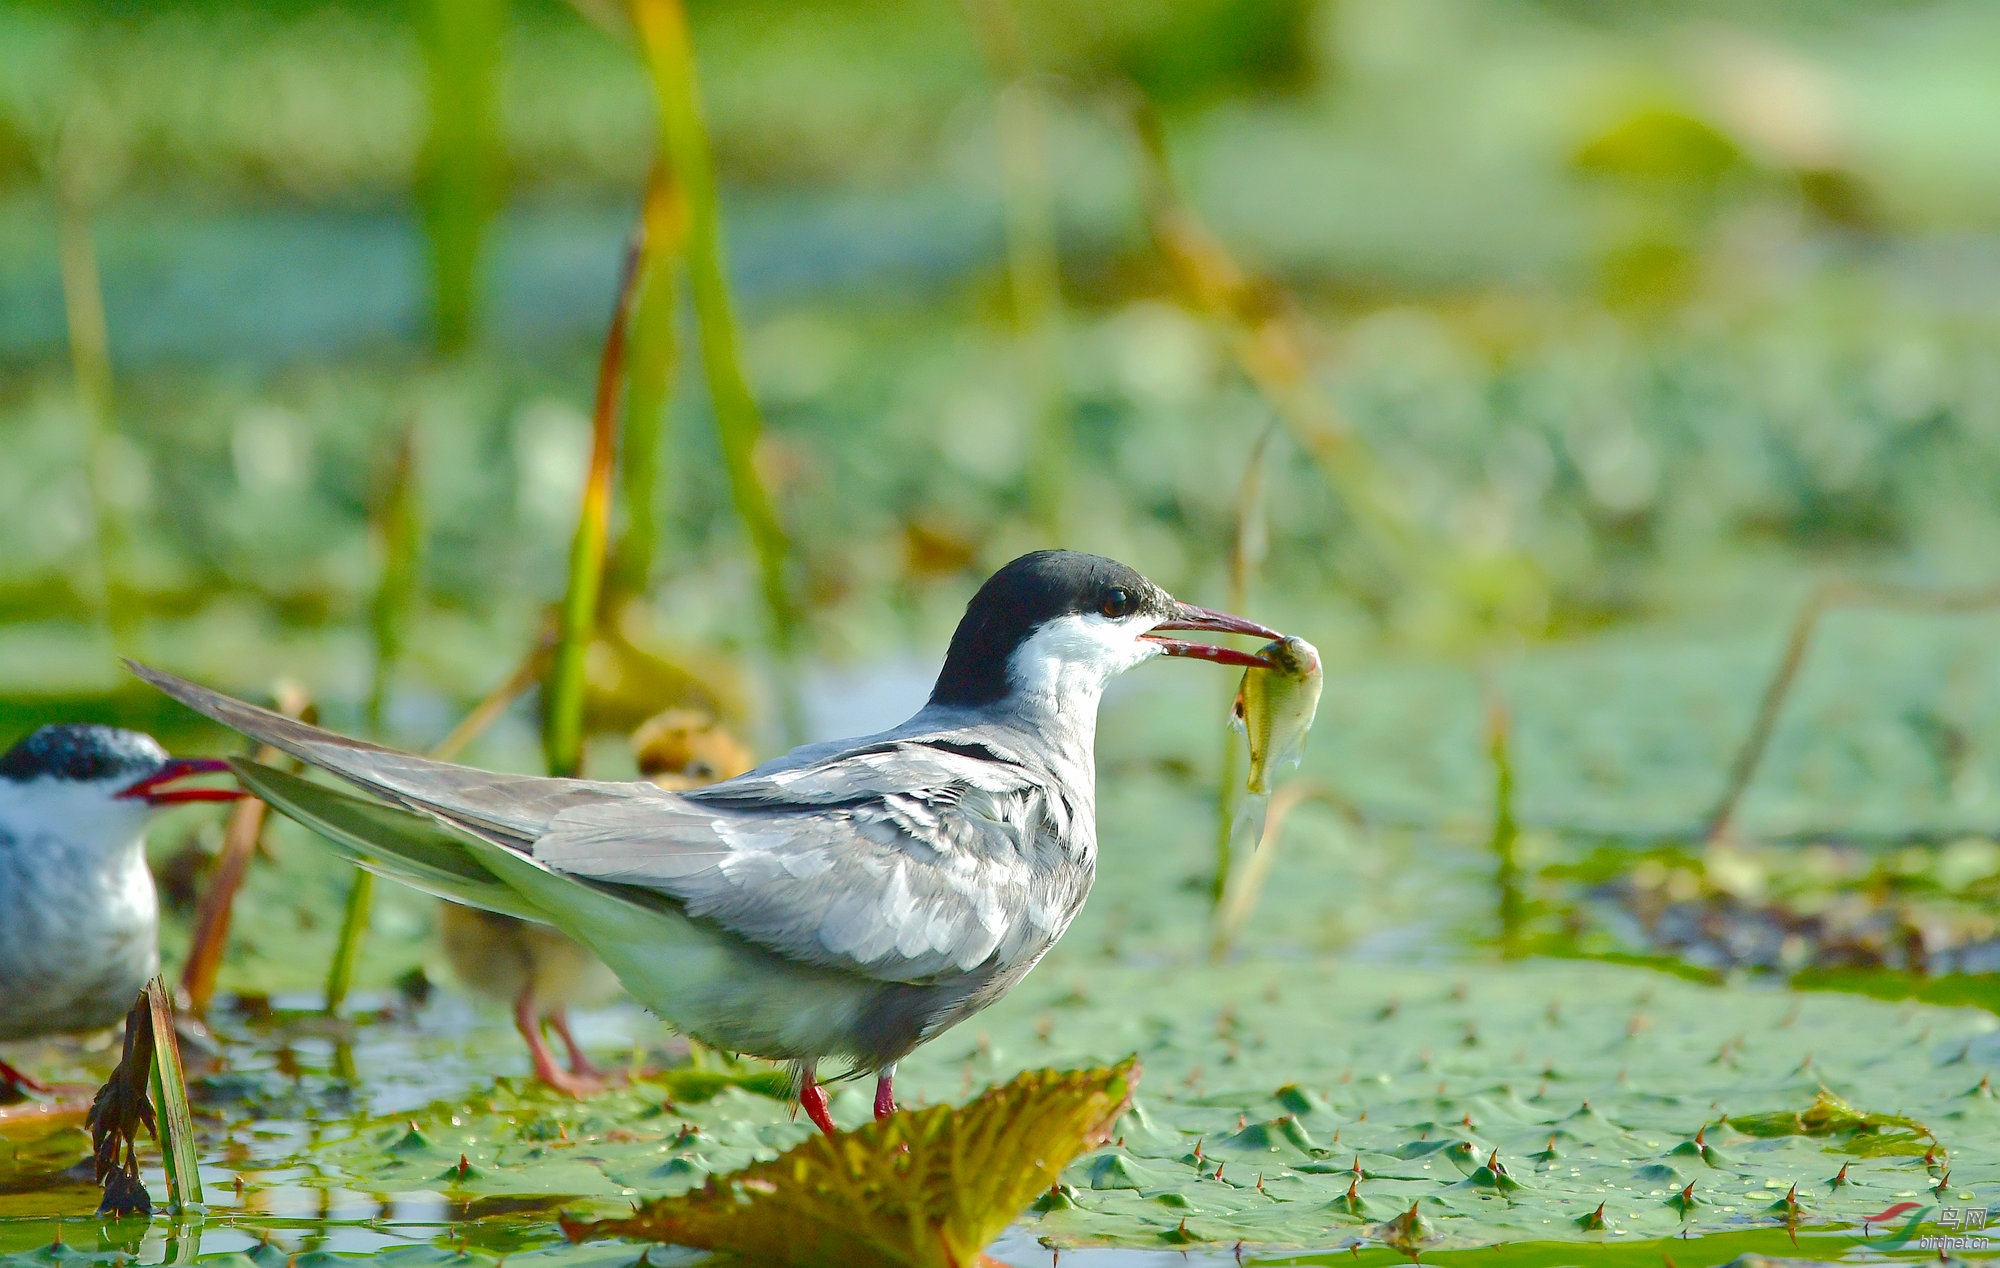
(1628, 320)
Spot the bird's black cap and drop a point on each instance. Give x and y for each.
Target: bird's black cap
(1018, 599)
(83, 753)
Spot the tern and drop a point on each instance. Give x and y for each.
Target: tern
(79, 918)
(847, 901)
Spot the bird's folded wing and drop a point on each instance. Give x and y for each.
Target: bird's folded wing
(905, 860)
(954, 868)
(398, 844)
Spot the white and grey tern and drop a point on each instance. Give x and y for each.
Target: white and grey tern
(79, 917)
(845, 902)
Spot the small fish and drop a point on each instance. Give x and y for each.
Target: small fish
(1275, 707)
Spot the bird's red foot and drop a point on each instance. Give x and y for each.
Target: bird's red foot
(813, 1097)
(885, 1096)
(581, 1065)
(580, 1086)
(582, 1081)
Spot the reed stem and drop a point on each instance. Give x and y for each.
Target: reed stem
(663, 37)
(399, 523)
(648, 384)
(529, 672)
(1246, 886)
(1826, 596)
(354, 922)
(576, 621)
(1246, 556)
(459, 173)
(90, 362)
(169, 1087)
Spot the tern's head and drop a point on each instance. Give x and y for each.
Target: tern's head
(91, 781)
(1059, 624)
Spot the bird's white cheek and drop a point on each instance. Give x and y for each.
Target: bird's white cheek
(1073, 654)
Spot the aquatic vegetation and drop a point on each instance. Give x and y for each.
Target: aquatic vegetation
(929, 1187)
(147, 1089)
(1283, 1105)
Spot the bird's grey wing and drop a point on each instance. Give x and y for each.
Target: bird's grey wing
(874, 766)
(388, 841)
(511, 810)
(956, 863)
(902, 860)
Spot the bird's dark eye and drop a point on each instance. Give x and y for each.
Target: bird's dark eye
(1117, 602)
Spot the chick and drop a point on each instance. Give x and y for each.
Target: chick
(685, 748)
(542, 974)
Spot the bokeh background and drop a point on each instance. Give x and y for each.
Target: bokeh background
(1553, 365)
(1574, 342)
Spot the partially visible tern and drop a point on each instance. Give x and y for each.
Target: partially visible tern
(79, 917)
(847, 901)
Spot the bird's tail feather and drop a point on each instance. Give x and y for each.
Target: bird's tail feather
(510, 810)
(398, 844)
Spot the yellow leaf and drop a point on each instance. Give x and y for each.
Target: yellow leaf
(926, 1188)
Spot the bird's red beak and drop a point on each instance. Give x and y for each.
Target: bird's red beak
(153, 792)
(1190, 617)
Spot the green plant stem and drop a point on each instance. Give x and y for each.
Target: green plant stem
(459, 172)
(647, 386)
(1034, 268)
(90, 361)
(1229, 796)
(576, 621)
(400, 524)
(1246, 555)
(169, 1089)
(353, 931)
(1246, 886)
(663, 36)
(1825, 597)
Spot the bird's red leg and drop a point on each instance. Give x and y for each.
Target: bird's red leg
(13, 1084)
(579, 1063)
(813, 1097)
(885, 1095)
(547, 1069)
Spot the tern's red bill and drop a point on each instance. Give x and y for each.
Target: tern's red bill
(1190, 617)
(154, 789)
